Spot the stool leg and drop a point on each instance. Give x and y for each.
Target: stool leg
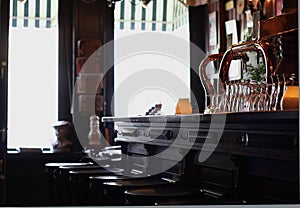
(96, 196)
(114, 196)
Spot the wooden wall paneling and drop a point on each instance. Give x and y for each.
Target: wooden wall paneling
(86, 26)
(87, 19)
(198, 24)
(108, 35)
(93, 20)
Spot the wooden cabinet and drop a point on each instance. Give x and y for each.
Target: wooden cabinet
(252, 158)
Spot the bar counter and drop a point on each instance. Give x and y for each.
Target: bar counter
(272, 132)
(254, 156)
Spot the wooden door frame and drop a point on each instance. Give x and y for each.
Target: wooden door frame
(4, 25)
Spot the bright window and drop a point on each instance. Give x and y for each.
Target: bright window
(141, 99)
(32, 83)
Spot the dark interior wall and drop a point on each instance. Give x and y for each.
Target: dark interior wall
(4, 21)
(4, 8)
(80, 20)
(108, 35)
(65, 85)
(197, 21)
(87, 24)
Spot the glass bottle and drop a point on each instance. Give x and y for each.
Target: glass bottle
(94, 134)
(94, 138)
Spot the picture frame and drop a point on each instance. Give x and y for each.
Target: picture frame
(231, 39)
(256, 25)
(213, 35)
(90, 103)
(231, 32)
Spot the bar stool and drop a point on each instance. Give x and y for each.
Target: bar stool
(54, 179)
(114, 190)
(177, 194)
(97, 189)
(81, 192)
(66, 186)
(200, 200)
(156, 194)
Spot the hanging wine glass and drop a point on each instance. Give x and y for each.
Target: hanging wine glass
(247, 94)
(220, 103)
(274, 93)
(262, 97)
(234, 93)
(254, 98)
(210, 109)
(282, 89)
(269, 86)
(237, 96)
(240, 101)
(268, 96)
(227, 96)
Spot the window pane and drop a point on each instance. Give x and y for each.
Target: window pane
(141, 100)
(32, 87)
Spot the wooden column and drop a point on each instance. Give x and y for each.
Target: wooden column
(290, 61)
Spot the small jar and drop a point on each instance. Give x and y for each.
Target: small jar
(183, 106)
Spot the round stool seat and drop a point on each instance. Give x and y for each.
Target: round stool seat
(163, 191)
(108, 178)
(114, 190)
(65, 170)
(92, 172)
(152, 195)
(97, 190)
(135, 182)
(52, 168)
(56, 165)
(79, 167)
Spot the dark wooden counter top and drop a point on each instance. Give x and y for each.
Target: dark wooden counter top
(266, 134)
(258, 117)
(265, 121)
